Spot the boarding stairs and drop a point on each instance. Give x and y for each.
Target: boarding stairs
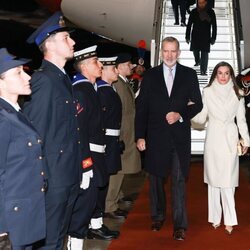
(224, 49)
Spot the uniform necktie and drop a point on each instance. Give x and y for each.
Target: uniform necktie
(170, 81)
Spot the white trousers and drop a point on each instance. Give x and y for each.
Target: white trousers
(221, 199)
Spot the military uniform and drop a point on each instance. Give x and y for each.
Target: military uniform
(112, 114)
(52, 111)
(131, 161)
(90, 121)
(22, 184)
(86, 95)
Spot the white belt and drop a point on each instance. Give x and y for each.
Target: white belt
(112, 132)
(97, 148)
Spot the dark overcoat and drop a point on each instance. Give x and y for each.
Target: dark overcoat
(93, 128)
(202, 32)
(22, 204)
(152, 105)
(112, 115)
(52, 111)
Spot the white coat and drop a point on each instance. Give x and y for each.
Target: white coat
(220, 108)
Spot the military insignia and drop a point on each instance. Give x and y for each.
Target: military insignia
(61, 22)
(141, 61)
(141, 51)
(79, 108)
(87, 163)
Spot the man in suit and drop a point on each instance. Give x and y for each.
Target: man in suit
(130, 157)
(168, 99)
(52, 111)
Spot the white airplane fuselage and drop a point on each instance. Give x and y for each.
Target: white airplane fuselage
(125, 21)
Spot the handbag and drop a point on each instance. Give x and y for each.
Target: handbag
(5, 242)
(240, 146)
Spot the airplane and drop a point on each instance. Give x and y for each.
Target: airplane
(125, 21)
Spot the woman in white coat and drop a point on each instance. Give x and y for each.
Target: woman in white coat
(224, 110)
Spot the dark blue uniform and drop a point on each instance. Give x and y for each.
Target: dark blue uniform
(112, 115)
(86, 95)
(90, 121)
(52, 110)
(22, 202)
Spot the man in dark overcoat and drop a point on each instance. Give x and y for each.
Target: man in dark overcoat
(201, 31)
(52, 111)
(168, 99)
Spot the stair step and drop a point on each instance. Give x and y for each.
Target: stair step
(223, 50)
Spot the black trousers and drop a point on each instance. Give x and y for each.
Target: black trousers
(201, 57)
(83, 211)
(158, 196)
(176, 4)
(101, 200)
(59, 205)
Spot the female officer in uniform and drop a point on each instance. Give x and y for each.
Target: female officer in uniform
(22, 205)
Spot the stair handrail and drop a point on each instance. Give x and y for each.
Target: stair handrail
(238, 34)
(157, 29)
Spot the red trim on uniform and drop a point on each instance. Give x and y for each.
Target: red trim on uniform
(87, 163)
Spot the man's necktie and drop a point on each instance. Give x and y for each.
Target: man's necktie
(170, 81)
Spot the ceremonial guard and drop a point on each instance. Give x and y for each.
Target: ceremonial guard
(52, 111)
(131, 162)
(22, 183)
(85, 90)
(112, 114)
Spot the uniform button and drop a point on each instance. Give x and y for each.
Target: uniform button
(42, 173)
(78, 129)
(39, 141)
(16, 209)
(29, 144)
(61, 151)
(66, 101)
(40, 157)
(104, 108)
(75, 115)
(79, 142)
(43, 189)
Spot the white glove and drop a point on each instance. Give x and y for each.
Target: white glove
(86, 179)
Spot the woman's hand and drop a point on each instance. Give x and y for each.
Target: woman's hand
(244, 150)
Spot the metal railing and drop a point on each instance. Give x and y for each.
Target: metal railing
(238, 34)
